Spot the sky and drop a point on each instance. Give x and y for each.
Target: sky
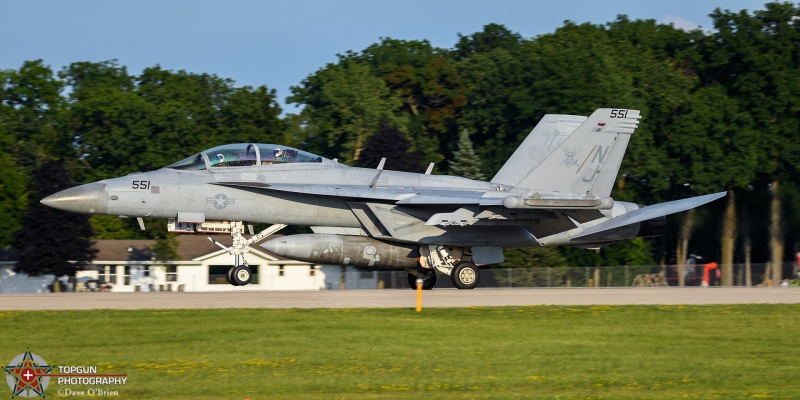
(279, 43)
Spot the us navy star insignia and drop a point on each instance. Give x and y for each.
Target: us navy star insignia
(220, 201)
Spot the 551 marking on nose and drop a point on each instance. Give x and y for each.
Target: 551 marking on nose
(143, 185)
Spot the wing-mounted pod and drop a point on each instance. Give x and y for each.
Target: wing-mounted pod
(557, 203)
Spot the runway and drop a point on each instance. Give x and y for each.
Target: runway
(397, 298)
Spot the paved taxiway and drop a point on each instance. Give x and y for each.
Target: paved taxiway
(397, 298)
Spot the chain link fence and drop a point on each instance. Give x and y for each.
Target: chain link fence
(618, 276)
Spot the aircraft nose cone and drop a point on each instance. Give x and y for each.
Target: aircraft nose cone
(275, 246)
(87, 199)
(298, 247)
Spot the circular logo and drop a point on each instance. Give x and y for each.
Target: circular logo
(27, 375)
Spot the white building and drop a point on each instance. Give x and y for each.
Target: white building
(128, 266)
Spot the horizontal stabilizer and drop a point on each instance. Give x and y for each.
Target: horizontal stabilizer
(650, 212)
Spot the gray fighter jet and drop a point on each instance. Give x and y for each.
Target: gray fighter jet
(553, 191)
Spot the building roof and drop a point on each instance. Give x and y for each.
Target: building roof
(190, 247)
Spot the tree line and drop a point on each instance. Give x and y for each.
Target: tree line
(721, 112)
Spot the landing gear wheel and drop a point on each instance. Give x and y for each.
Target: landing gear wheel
(230, 276)
(465, 275)
(242, 275)
(428, 280)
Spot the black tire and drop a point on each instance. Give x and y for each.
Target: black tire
(465, 275)
(229, 276)
(242, 275)
(428, 282)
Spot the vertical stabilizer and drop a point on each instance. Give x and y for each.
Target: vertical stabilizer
(543, 140)
(586, 163)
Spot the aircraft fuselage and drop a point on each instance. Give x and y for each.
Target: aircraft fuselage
(245, 194)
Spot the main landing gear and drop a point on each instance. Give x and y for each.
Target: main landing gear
(465, 275)
(240, 273)
(452, 261)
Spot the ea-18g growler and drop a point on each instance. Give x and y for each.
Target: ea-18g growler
(553, 191)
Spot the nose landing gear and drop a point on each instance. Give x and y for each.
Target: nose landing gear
(240, 274)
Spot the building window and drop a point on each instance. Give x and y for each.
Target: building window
(217, 274)
(172, 273)
(312, 270)
(108, 274)
(367, 274)
(126, 280)
(112, 274)
(280, 270)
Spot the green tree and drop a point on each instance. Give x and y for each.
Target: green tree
(110, 227)
(466, 163)
(30, 116)
(638, 251)
(252, 115)
(52, 241)
(753, 58)
(13, 194)
(718, 146)
(33, 115)
(108, 120)
(533, 257)
(344, 105)
(533, 267)
(194, 110)
(166, 247)
(425, 81)
(492, 37)
(394, 146)
(500, 107)
(125, 123)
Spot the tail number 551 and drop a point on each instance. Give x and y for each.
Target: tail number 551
(619, 113)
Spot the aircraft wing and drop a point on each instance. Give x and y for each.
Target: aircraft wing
(650, 212)
(427, 196)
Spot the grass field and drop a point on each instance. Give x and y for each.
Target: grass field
(607, 352)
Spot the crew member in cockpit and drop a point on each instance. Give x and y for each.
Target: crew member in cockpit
(219, 161)
(278, 155)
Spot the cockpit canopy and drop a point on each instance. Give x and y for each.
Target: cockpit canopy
(245, 154)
